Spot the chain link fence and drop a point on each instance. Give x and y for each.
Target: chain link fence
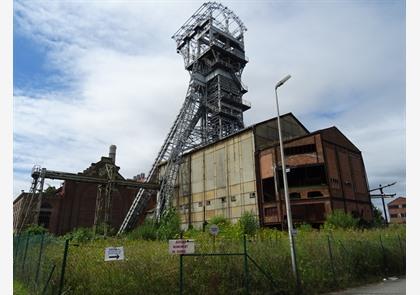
(39, 262)
(325, 260)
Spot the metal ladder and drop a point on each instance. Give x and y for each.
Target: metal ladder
(175, 144)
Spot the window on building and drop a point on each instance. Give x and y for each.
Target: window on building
(252, 195)
(270, 211)
(302, 149)
(45, 214)
(394, 215)
(233, 198)
(315, 194)
(304, 176)
(223, 199)
(294, 195)
(268, 188)
(200, 204)
(402, 214)
(403, 205)
(208, 203)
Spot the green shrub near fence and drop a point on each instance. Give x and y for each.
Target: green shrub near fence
(356, 256)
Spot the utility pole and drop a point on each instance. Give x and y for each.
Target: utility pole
(383, 196)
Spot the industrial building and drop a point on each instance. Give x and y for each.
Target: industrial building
(397, 210)
(242, 173)
(82, 201)
(210, 163)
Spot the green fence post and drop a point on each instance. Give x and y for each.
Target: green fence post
(16, 252)
(63, 266)
(24, 255)
(181, 281)
(402, 253)
(48, 280)
(384, 255)
(17, 247)
(331, 259)
(246, 266)
(41, 248)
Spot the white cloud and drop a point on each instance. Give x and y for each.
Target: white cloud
(128, 83)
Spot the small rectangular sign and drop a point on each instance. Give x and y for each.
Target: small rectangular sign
(181, 247)
(114, 253)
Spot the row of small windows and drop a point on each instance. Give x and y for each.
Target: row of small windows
(311, 194)
(222, 199)
(397, 215)
(302, 149)
(397, 206)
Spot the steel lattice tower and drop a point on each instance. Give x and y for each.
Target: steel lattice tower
(212, 45)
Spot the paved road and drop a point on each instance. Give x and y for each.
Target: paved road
(389, 287)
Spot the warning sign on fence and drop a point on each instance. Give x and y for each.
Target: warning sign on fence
(181, 246)
(114, 253)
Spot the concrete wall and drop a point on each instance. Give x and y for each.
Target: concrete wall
(221, 181)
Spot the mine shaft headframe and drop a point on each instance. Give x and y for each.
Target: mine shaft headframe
(222, 18)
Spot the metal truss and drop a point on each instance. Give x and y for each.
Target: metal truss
(212, 45)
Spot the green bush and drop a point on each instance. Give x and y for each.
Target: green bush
(219, 220)
(304, 227)
(169, 225)
(248, 223)
(35, 229)
(339, 219)
(146, 231)
(80, 235)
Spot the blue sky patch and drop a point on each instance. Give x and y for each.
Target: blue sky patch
(31, 69)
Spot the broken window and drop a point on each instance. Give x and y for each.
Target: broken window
(304, 176)
(315, 194)
(294, 195)
(268, 188)
(302, 149)
(270, 211)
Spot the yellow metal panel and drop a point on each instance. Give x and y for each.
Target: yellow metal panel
(197, 197)
(209, 169)
(220, 167)
(249, 186)
(221, 193)
(247, 160)
(209, 214)
(233, 163)
(197, 216)
(197, 173)
(235, 189)
(209, 195)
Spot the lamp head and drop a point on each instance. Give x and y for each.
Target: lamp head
(282, 81)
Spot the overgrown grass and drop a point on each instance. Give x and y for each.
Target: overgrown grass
(357, 257)
(338, 256)
(19, 288)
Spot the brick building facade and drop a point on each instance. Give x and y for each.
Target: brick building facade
(397, 210)
(73, 205)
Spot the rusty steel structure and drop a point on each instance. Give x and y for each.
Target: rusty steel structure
(211, 42)
(29, 213)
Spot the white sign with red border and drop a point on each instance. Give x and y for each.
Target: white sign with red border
(181, 247)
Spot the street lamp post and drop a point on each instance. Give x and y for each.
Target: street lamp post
(286, 189)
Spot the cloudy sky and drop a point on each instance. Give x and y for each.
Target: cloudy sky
(88, 74)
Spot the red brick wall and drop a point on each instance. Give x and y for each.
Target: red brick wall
(77, 207)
